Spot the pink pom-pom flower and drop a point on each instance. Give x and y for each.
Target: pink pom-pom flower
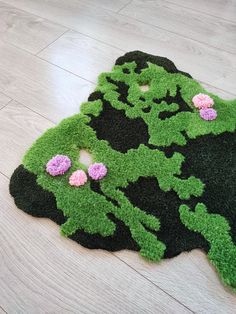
(208, 114)
(78, 178)
(97, 171)
(58, 165)
(202, 101)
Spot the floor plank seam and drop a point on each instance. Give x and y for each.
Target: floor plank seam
(153, 283)
(39, 114)
(58, 66)
(37, 53)
(19, 102)
(3, 309)
(6, 103)
(127, 4)
(99, 40)
(5, 177)
(18, 48)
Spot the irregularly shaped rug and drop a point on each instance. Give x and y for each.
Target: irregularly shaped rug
(163, 175)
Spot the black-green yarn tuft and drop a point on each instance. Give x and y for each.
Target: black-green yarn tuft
(170, 182)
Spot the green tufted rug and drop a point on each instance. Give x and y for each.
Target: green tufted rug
(162, 179)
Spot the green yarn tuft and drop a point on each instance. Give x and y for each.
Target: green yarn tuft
(216, 230)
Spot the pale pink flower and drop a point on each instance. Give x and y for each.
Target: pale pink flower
(202, 101)
(78, 178)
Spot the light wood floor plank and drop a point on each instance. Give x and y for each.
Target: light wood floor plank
(186, 22)
(19, 127)
(204, 63)
(81, 55)
(189, 278)
(226, 82)
(224, 9)
(219, 92)
(42, 272)
(108, 4)
(50, 91)
(25, 30)
(3, 100)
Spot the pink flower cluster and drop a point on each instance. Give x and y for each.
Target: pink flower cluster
(204, 103)
(60, 164)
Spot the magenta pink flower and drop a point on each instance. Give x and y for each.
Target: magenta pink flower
(208, 114)
(202, 101)
(97, 171)
(58, 165)
(78, 178)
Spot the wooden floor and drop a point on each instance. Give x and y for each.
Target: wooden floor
(51, 52)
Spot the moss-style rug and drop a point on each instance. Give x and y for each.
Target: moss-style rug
(162, 178)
